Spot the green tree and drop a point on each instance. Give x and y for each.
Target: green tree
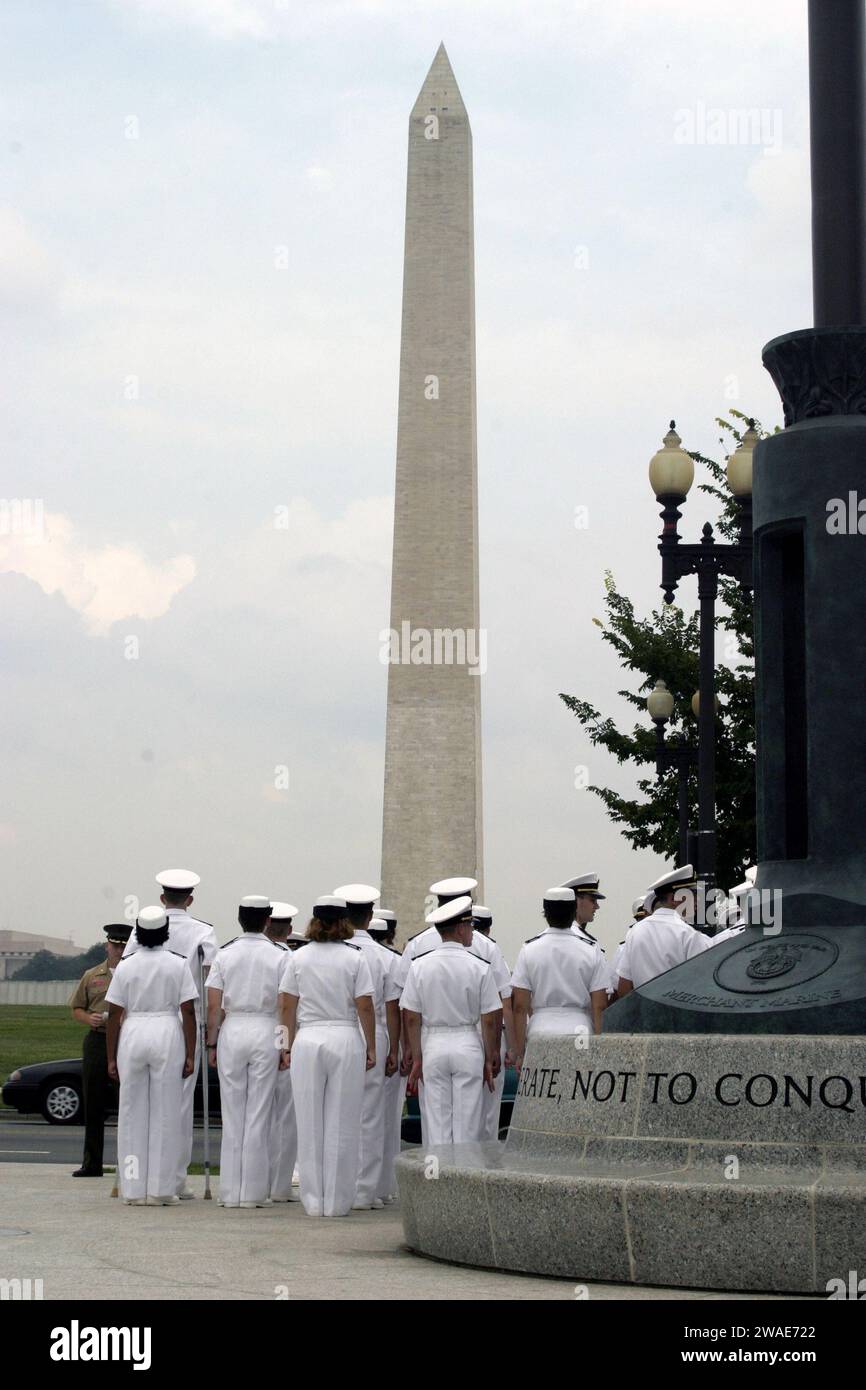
(46, 966)
(665, 646)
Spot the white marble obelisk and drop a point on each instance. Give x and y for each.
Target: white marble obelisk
(432, 806)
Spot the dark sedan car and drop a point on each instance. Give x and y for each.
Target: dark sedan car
(54, 1089)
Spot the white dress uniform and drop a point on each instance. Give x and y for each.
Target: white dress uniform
(283, 1133)
(247, 970)
(150, 986)
(395, 1093)
(451, 988)
(561, 968)
(328, 1062)
(372, 1151)
(185, 935)
(657, 944)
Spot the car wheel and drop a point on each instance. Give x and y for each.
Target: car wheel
(62, 1103)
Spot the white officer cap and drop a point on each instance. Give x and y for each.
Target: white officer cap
(378, 924)
(683, 877)
(386, 915)
(283, 912)
(450, 912)
(559, 895)
(178, 879)
(482, 914)
(358, 894)
(255, 900)
(585, 883)
(151, 918)
(453, 887)
(640, 904)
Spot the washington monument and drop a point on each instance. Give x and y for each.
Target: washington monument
(432, 806)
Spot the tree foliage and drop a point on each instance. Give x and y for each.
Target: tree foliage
(665, 646)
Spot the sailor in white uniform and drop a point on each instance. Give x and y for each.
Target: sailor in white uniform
(154, 992)
(735, 922)
(383, 928)
(326, 989)
(185, 935)
(663, 939)
(559, 976)
(360, 899)
(242, 990)
(283, 1133)
(449, 992)
(482, 925)
(587, 897)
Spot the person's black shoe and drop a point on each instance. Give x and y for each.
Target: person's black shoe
(87, 1173)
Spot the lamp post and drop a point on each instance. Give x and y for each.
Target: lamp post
(672, 473)
(679, 754)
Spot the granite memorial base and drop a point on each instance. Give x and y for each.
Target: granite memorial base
(703, 1161)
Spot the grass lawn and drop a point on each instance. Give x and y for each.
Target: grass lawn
(37, 1033)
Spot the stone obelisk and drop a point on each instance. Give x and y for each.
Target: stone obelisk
(432, 804)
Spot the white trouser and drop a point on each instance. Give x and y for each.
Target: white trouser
(452, 1061)
(150, 1062)
(492, 1100)
(371, 1153)
(328, 1087)
(283, 1138)
(555, 1021)
(187, 1102)
(395, 1099)
(247, 1059)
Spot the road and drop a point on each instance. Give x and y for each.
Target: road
(30, 1139)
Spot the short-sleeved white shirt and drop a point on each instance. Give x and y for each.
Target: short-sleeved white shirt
(450, 987)
(382, 965)
(657, 944)
(185, 935)
(429, 940)
(248, 971)
(561, 968)
(327, 977)
(153, 980)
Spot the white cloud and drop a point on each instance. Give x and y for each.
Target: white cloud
(29, 273)
(102, 583)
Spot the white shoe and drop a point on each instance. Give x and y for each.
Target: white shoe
(135, 1201)
(377, 1204)
(186, 1195)
(361, 1206)
(160, 1201)
(266, 1203)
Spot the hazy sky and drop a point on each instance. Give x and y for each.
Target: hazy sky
(201, 236)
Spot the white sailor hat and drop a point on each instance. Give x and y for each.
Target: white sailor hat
(283, 912)
(648, 899)
(585, 883)
(453, 888)
(559, 895)
(640, 904)
(358, 894)
(451, 911)
(178, 879)
(481, 914)
(329, 907)
(255, 900)
(378, 924)
(151, 918)
(386, 915)
(682, 877)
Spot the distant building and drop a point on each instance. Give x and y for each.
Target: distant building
(19, 947)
